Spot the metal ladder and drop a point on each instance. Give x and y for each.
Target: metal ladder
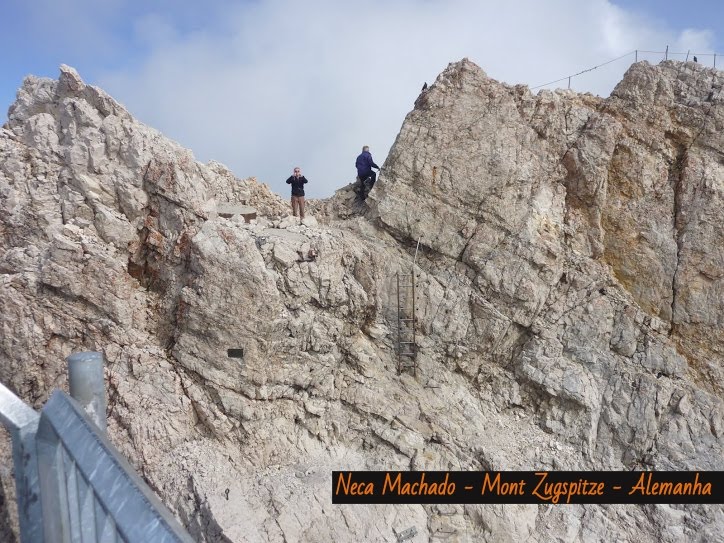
(406, 323)
(407, 319)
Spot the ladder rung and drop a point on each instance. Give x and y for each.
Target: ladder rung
(407, 354)
(408, 342)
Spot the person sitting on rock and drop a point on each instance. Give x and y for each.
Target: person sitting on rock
(366, 176)
(297, 181)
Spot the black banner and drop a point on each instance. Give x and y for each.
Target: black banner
(557, 487)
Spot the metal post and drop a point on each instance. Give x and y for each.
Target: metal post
(569, 82)
(714, 60)
(85, 371)
(687, 55)
(637, 55)
(666, 55)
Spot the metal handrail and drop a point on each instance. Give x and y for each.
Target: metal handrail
(72, 483)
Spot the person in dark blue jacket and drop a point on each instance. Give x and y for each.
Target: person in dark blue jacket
(297, 181)
(364, 166)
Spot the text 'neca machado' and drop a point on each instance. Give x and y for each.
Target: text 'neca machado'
(372, 487)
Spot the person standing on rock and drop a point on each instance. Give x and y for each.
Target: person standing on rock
(366, 176)
(297, 181)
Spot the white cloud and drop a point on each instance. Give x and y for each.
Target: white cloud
(280, 83)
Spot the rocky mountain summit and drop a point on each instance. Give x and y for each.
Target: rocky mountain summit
(570, 284)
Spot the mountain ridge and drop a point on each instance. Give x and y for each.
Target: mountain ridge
(570, 309)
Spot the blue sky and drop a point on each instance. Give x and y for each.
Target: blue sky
(265, 85)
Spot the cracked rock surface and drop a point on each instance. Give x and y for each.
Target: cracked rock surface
(570, 299)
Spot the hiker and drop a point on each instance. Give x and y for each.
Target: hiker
(297, 181)
(366, 176)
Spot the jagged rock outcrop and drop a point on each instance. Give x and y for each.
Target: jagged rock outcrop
(570, 304)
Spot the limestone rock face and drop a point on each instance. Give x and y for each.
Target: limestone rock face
(570, 282)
